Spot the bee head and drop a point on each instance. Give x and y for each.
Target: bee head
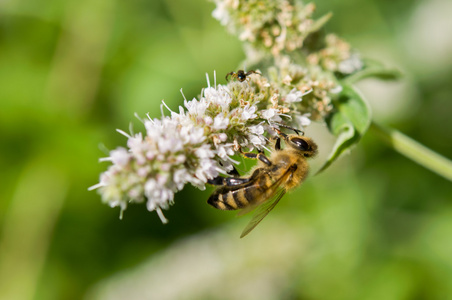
(302, 144)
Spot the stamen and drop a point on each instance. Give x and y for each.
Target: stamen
(167, 107)
(161, 216)
(123, 208)
(208, 81)
(307, 92)
(123, 133)
(266, 148)
(96, 186)
(183, 94)
(138, 117)
(161, 110)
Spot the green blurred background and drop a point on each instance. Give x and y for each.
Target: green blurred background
(373, 226)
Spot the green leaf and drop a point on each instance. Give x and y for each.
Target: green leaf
(349, 122)
(373, 69)
(319, 23)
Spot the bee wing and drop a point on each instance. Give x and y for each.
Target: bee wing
(263, 197)
(265, 206)
(263, 211)
(258, 201)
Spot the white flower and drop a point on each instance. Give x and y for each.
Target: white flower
(294, 96)
(268, 113)
(247, 34)
(180, 177)
(224, 151)
(204, 151)
(208, 120)
(138, 148)
(144, 171)
(219, 96)
(195, 107)
(350, 65)
(303, 120)
(287, 80)
(207, 169)
(337, 89)
(192, 135)
(120, 157)
(220, 13)
(248, 113)
(256, 140)
(220, 122)
(257, 129)
(223, 137)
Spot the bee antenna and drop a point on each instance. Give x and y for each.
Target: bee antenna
(291, 128)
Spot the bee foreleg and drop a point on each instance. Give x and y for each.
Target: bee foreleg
(279, 132)
(278, 144)
(216, 181)
(228, 181)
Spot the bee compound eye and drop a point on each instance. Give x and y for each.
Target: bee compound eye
(301, 144)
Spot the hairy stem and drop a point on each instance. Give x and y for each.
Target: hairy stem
(414, 150)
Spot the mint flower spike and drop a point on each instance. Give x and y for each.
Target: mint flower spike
(195, 144)
(269, 26)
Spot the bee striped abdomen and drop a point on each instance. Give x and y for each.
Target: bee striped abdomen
(229, 200)
(237, 197)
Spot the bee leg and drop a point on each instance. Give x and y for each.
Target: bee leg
(260, 156)
(228, 181)
(216, 181)
(278, 144)
(279, 132)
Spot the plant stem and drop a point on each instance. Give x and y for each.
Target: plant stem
(414, 150)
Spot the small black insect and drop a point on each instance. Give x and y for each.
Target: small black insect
(241, 75)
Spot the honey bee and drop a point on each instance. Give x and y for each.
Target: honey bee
(285, 170)
(241, 75)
